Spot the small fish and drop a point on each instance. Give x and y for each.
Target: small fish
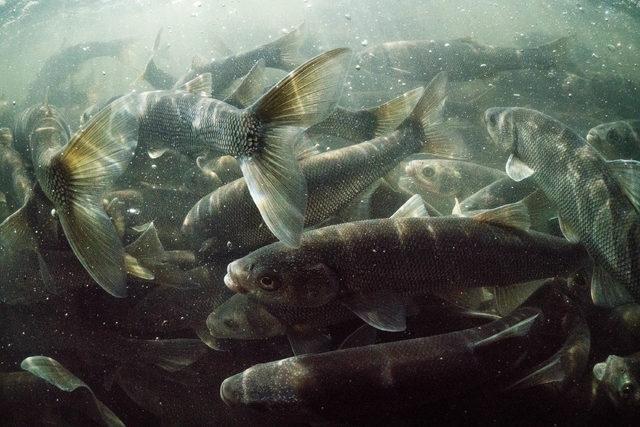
(463, 59)
(618, 378)
(359, 263)
(598, 201)
(58, 68)
(232, 225)
(281, 53)
(617, 140)
(445, 178)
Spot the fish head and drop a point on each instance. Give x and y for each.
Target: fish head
(245, 319)
(501, 125)
(434, 176)
(608, 137)
(618, 376)
(281, 275)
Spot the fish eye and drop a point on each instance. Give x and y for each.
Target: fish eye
(230, 323)
(428, 171)
(612, 135)
(268, 283)
(493, 119)
(627, 390)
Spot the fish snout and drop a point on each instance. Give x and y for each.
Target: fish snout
(231, 390)
(231, 278)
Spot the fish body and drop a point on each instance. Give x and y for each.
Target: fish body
(499, 193)
(414, 371)
(61, 66)
(462, 59)
(417, 255)
(16, 180)
(598, 202)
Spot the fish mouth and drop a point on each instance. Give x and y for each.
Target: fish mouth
(231, 279)
(591, 137)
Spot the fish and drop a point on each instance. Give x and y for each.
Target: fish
(617, 140)
(359, 263)
(29, 119)
(598, 201)
(59, 67)
(227, 219)
(617, 379)
(45, 384)
(15, 181)
(281, 53)
(463, 59)
(260, 136)
(350, 382)
(365, 124)
(499, 193)
(71, 175)
(447, 179)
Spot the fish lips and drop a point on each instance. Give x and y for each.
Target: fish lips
(231, 279)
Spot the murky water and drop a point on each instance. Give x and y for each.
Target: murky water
(301, 211)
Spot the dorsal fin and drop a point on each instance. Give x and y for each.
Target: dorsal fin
(412, 208)
(513, 215)
(200, 85)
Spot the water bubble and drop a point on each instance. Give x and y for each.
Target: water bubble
(364, 42)
(358, 67)
(347, 17)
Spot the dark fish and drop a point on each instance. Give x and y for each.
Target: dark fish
(334, 179)
(598, 201)
(72, 175)
(15, 180)
(261, 136)
(359, 263)
(618, 378)
(281, 53)
(340, 383)
(62, 65)
(462, 59)
(617, 140)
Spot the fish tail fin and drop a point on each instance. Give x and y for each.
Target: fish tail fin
(249, 88)
(388, 116)
(551, 55)
(285, 53)
(426, 122)
(274, 179)
(94, 157)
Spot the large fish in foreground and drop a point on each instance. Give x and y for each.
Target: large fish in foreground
(260, 136)
(463, 59)
(359, 264)
(598, 201)
(343, 383)
(335, 178)
(71, 175)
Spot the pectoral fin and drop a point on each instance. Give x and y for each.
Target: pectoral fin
(517, 170)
